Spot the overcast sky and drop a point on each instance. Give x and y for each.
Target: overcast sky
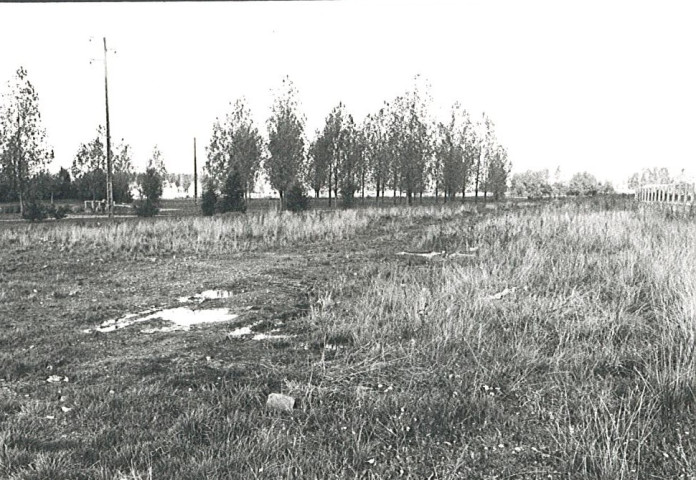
(607, 87)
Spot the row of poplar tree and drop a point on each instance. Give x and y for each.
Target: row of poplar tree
(398, 149)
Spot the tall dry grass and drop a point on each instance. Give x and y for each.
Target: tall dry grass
(595, 344)
(210, 235)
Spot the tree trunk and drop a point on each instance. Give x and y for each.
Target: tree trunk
(362, 186)
(336, 187)
(20, 173)
(330, 178)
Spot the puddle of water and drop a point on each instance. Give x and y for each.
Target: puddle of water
(182, 318)
(206, 295)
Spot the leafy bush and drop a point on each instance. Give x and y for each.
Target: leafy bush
(151, 185)
(232, 199)
(146, 208)
(296, 200)
(34, 211)
(208, 201)
(151, 188)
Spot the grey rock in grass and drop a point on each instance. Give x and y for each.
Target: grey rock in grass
(278, 401)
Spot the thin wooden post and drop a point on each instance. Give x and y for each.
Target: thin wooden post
(195, 174)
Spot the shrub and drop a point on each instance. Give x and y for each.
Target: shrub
(208, 201)
(34, 211)
(151, 188)
(232, 199)
(151, 185)
(296, 200)
(146, 208)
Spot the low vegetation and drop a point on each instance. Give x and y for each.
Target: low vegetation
(554, 341)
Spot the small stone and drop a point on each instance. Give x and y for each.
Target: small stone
(278, 401)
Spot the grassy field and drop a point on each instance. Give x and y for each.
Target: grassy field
(552, 341)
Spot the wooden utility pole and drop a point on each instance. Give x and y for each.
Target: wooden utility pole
(19, 173)
(109, 172)
(195, 174)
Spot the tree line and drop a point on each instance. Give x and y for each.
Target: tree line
(398, 149)
(539, 184)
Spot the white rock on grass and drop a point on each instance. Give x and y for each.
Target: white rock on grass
(278, 401)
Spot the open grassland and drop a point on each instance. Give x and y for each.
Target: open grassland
(560, 344)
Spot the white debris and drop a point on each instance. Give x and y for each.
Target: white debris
(431, 255)
(460, 255)
(502, 294)
(241, 331)
(428, 255)
(270, 336)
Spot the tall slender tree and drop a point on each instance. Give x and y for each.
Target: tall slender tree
(23, 148)
(498, 172)
(235, 145)
(286, 143)
(411, 139)
(453, 163)
(486, 146)
(336, 138)
(348, 161)
(318, 164)
(377, 155)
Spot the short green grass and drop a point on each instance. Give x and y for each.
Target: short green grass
(402, 367)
